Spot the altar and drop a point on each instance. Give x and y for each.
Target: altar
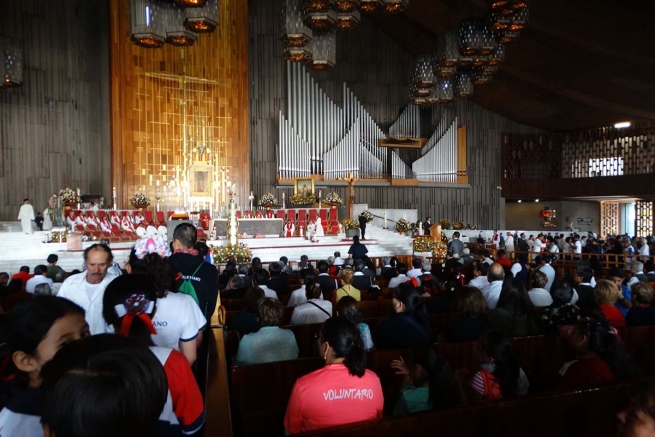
(252, 227)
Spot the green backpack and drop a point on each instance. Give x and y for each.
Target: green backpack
(187, 286)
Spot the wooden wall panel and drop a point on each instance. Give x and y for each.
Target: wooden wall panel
(54, 130)
(165, 102)
(377, 70)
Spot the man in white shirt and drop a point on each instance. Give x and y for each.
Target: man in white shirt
(636, 267)
(538, 244)
(314, 310)
(39, 277)
(491, 292)
(544, 267)
(577, 247)
(644, 250)
(509, 242)
(416, 271)
(480, 270)
(261, 278)
(338, 261)
(400, 279)
(88, 288)
(26, 215)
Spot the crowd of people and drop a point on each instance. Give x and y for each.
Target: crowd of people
(133, 333)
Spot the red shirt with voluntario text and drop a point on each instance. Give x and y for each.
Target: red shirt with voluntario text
(613, 315)
(331, 396)
(506, 263)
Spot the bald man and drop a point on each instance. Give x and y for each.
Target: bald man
(491, 292)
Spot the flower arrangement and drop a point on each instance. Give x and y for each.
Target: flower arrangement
(470, 227)
(267, 200)
(139, 200)
(368, 215)
(333, 198)
(68, 195)
(240, 253)
(299, 199)
(403, 225)
(424, 244)
(350, 224)
(458, 226)
(445, 224)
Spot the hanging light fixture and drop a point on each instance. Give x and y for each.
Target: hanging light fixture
(423, 77)
(324, 50)
(520, 5)
(447, 56)
(395, 6)
(498, 22)
(476, 38)
(191, 3)
(498, 4)
(176, 33)
(348, 20)
(146, 21)
(519, 20)
(346, 5)
(464, 84)
(294, 32)
(202, 19)
(445, 91)
(298, 54)
(319, 15)
(499, 56)
(13, 65)
(479, 78)
(370, 5)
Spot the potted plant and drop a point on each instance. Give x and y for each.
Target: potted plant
(404, 227)
(333, 199)
(222, 254)
(299, 200)
(368, 215)
(69, 198)
(458, 226)
(140, 201)
(445, 224)
(352, 228)
(267, 201)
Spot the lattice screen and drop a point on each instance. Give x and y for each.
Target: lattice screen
(609, 218)
(644, 218)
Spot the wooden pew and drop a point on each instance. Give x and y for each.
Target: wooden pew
(557, 413)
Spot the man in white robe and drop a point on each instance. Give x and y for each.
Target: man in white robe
(318, 228)
(26, 215)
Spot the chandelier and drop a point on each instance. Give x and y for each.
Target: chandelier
(319, 18)
(323, 50)
(464, 84)
(395, 6)
(147, 23)
(191, 3)
(348, 20)
(447, 56)
(295, 35)
(202, 19)
(499, 56)
(11, 64)
(476, 38)
(444, 90)
(176, 33)
(154, 23)
(346, 5)
(423, 77)
(370, 5)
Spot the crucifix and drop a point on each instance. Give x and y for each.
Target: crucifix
(351, 192)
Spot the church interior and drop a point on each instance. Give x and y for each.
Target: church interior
(284, 128)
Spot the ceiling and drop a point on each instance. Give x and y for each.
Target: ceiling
(578, 65)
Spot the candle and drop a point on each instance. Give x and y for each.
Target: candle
(114, 192)
(320, 193)
(251, 193)
(283, 195)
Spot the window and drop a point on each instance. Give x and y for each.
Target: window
(606, 167)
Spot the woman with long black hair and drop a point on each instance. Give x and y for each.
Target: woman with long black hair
(343, 391)
(600, 357)
(409, 326)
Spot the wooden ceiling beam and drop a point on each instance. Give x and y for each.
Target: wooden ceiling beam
(574, 95)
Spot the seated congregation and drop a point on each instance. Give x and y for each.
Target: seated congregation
(384, 346)
(430, 344)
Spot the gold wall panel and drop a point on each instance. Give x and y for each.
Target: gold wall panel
(175, 108)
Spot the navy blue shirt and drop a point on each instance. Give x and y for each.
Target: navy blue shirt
(358, 251)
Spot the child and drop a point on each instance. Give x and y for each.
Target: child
(34, 332)
(348, 309)
(427, 384)
(104, 386)
(129, 306)
(500, 375)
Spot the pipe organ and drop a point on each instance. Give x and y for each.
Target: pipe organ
(439, 160)
(408, 124)
(317, 137)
